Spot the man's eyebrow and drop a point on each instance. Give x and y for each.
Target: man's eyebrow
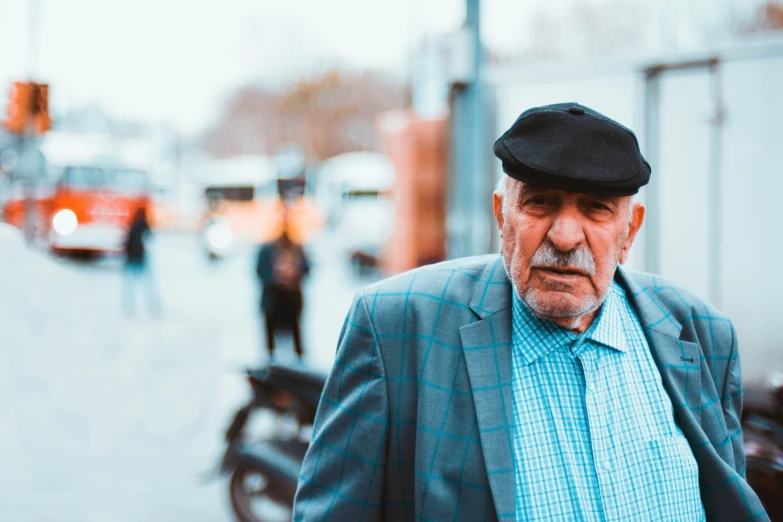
(615, 200)
(527, 188)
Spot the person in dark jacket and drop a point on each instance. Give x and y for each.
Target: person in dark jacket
(281, 267)
(136, 266)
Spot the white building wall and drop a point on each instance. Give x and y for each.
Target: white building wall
(752, 203)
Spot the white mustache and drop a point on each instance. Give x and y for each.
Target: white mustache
(547, 256)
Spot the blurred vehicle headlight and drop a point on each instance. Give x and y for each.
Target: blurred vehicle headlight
(219, 235)
(65, 222)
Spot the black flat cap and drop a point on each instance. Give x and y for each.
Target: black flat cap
(572, 147)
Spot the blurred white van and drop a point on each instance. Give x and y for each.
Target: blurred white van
(353, 191)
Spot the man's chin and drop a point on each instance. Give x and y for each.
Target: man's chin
(558, 304)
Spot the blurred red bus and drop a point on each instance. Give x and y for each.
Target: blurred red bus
(88, 209)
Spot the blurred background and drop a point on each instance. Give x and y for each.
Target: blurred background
(365, 128)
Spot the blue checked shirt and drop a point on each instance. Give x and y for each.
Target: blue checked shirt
(594, 431)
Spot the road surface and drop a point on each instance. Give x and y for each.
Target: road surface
(112, 418)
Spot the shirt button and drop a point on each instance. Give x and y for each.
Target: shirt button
(607, 465)
(590, 386)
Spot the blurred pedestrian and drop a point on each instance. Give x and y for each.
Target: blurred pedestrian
(281, 267)
(137, 271)
(546, 383)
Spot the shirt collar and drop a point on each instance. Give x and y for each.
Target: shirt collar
(609, 329)
(535, 337)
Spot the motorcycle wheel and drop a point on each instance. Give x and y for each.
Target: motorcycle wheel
(254, 498)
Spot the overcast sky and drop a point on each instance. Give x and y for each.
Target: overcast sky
(175, 60)
(178, 60)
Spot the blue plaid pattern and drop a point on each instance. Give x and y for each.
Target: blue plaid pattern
(416, 419)
(594, 432)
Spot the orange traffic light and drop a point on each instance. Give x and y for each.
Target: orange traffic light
(19, 104)
(28, 107)
(42, 122)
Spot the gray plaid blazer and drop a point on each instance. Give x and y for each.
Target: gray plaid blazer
(415, 420)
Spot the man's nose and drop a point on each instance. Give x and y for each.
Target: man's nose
(566, 232)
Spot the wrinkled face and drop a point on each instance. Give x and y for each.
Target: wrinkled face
(561, 249)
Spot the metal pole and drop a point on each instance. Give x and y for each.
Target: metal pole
(469, 214)
(457, 229)
(652, 191)
(33, 11)
(480, 166)
(479, 233)
(28, 145)
(716, 189)
(473, 101)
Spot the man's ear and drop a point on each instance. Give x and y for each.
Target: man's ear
(637, 218)
(497, 208)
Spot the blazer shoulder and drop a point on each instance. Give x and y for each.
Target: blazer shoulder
(453, 281)
(701, 321)
(432, 274)
(673, 295)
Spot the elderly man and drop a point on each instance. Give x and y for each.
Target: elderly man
(543, 384)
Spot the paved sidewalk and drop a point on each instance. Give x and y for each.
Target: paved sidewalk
(107, 418)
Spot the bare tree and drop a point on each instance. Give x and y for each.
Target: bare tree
(767, 17)
(332, 113)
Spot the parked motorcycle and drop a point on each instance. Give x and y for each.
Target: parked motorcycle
(762, 424)
(264, 473)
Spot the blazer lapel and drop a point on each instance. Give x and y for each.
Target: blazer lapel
(678, 361)
(487, 347)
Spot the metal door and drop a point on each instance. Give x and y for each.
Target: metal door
(683, 222)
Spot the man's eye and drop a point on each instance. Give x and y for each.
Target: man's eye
(538, 200)
(595, 205)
